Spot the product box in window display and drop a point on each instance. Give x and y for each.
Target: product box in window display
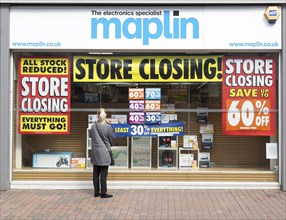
(207, 141)
(186, 159)
(52, 159)
(204, 159)
(167, 159)
(78, 163)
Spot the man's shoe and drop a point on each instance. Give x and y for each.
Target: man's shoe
(97, 194)
(106, 196)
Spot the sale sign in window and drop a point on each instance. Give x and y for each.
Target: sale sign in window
(44, 95)
(249, 96)
(136, 94)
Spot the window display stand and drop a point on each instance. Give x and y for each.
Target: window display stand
(167, 152)
(141, 152)
(187, 158)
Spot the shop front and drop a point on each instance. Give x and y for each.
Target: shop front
(192, 93)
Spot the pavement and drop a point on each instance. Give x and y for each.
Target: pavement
(143, 204)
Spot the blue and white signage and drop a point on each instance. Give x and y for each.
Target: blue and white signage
(134, 28)
(129, 130)
(153, 93)
(143, 25)
(152, 117)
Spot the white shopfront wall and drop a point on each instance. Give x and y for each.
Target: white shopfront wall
(148, 28)
(188, 29)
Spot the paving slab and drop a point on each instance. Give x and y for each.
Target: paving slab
(141, 204)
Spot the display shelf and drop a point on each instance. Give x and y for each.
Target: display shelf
(167, 152)
(141, 152)
(188, 159)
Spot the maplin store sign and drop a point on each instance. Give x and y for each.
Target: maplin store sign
(145, 29)
(97, 28)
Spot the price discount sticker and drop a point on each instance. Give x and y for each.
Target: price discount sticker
(152, 105)
(137, 105)
(91, 97)
(248, 114)
(136, 93)
(153, 117)
(153, 93)
(136, 117)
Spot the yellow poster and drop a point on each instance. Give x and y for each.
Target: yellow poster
(147, 69)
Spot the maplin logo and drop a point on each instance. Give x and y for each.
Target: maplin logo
(171, 28)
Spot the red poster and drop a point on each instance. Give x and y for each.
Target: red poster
(44, 95)
(249, 96)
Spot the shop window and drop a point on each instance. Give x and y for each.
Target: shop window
(226, 151)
